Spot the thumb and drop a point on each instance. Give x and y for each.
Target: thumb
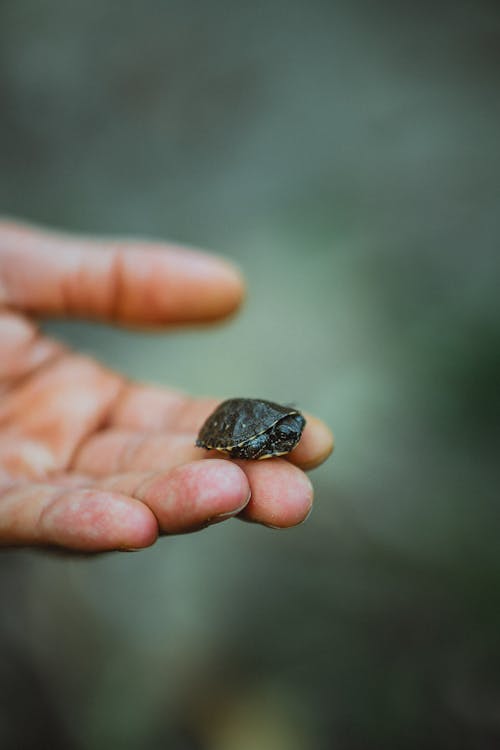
(140, 282)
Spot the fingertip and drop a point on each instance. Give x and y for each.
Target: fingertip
(223, 288)
(191, 286)
(196, 494)
(139, 529)
(233, 278)
(315, 446)
(282, 495)
(94, 521)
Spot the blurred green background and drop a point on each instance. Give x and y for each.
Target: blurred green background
(347, 156)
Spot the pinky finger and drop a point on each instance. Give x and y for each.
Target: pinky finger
(85, 520)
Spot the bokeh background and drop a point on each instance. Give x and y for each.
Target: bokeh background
(347, 156)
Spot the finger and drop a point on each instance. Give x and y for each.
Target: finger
(148, 408)
(119, 280)
(89, 520)
(119, 450)
(282, 494)
(116, 451)
(188, 497)
(315, 445)
(154, 409)
(273, 493)
(46, 418)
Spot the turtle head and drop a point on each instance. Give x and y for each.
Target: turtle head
(283, 436)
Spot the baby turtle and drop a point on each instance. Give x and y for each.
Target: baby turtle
(252, 428)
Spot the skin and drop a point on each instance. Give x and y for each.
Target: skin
(90, 461)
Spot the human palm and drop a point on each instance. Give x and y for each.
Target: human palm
(91, 461)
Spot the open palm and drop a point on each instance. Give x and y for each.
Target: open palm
(90, 461)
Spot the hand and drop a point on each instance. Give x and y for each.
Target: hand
(90, 461)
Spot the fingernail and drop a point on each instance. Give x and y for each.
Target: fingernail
(228, 514)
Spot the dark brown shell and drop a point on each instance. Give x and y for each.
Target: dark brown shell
(240, 419)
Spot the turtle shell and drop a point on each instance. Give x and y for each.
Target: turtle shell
(238, 420)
